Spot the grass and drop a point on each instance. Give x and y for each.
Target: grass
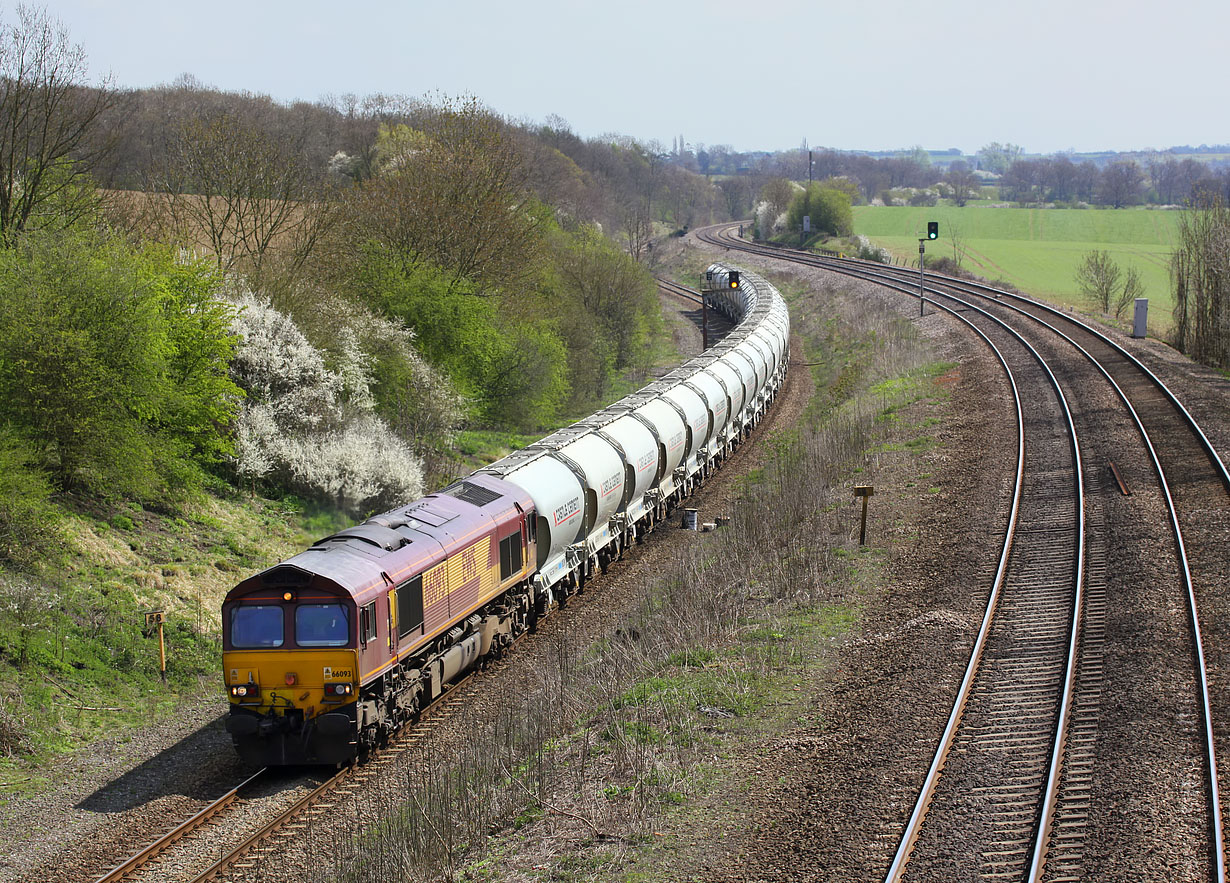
(1036, 250)
(75, 662)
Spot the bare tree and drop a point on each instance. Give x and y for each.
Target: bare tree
(963, 182)
(455, 192)
(244, 195)
(957, 238)
(1200, 273)
(47, 117)
(1133, 288)
(1098, 278)
(1121, 183)
(637, 229)
(777, 192)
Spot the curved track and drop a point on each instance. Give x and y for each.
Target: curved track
(1023, 823)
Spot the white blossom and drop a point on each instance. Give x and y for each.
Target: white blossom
(311, 427)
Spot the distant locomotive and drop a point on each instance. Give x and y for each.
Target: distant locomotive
(328, 653)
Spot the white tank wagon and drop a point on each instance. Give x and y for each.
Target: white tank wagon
(601, 483)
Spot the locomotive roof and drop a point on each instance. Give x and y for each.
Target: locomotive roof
(399, 543)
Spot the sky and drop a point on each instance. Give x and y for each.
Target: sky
(1048, 75)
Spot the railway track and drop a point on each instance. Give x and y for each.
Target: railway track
(682, 292)
(235, 859)
(988, 808)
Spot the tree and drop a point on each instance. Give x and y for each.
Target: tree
(1200, 273)
(1098, 278)
(47, 119)
(1121, 184)
(963, 182)
(738, 192)
(957, 238)
(829, 210)
(1061, 175)
(113, 363)
(998, 158)
(1132, 288)
(311, 428)
(777, 192)
(246, 195)
(453, 191)
(1022, 181)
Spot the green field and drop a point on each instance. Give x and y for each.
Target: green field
(1037, 250)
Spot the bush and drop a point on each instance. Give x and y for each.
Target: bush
(869, 252)
(310, 428)
(829, 210)
(28, 520)
(113, 363)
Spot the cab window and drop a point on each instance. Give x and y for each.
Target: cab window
(256, 625)
(322, 625)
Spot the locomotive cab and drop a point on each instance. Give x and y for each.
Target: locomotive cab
(291, 668)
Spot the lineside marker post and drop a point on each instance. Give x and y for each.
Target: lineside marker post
(154, 620)
(864, 491)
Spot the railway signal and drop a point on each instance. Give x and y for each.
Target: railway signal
(734, 278)
(933, 229)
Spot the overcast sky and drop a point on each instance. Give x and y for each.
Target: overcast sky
(1048, 75)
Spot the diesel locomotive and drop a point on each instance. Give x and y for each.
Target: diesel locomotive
(328, 653)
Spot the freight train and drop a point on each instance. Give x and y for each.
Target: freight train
(328, 653)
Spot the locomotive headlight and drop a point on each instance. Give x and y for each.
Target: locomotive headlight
(245, 691)
(338, 691)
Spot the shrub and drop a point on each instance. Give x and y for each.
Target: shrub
(28, 520)
(829, 210)
(113, 363)
(869, 252)
(309, 428)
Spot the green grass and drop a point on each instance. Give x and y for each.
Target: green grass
(75, 662)
(1037, 250)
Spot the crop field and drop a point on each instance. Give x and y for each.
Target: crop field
(1037, 250)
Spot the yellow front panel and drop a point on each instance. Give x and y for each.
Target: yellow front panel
(268, 669)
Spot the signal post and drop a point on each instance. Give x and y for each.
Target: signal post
(933, 232)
